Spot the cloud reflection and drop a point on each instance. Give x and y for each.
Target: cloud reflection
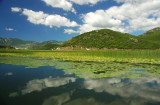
(14, 94)
(147, 89)
(40, 84)
(9, 74)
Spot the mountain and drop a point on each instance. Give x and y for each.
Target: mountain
(17, 43)
(106, 38)
(48, 46)
(52, 42)
(152, 35)
(22, 44)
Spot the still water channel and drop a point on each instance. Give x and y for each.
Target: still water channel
(30, 81)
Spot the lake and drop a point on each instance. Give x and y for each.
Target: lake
(31, 81)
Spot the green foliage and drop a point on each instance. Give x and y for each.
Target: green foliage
(106, 38)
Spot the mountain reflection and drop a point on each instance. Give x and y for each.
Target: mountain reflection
(58, 100)
(65, 99)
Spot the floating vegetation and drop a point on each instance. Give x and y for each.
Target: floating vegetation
(89, 69)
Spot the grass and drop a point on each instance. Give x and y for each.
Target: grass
(130, 56)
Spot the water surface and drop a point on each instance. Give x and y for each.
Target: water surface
(30, 81)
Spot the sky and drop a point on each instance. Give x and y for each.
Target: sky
(43, 20)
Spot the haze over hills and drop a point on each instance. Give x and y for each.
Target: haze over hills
(104, 38)
(22, 44)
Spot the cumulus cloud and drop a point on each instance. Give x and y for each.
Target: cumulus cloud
(132, 15)
(64, 4)
(67, 5)
(130, 1)
(70, 31)
(16, 9)
(98, 20)
(48, 20)
(82, 2)
(9, 29)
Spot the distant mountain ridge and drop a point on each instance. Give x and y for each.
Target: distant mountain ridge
(22, 44)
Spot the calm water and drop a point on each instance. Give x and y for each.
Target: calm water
(49, 82)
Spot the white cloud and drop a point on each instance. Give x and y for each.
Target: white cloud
(16, 9)
(86, 28)
(70, 31)
(99, 20)
(64, 4)
(48, 20)
(9, 29)
(132, 15)
(130, 1)
(82, 2)
(146, 24)
(67, 5)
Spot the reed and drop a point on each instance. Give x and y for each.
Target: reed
(131, 56)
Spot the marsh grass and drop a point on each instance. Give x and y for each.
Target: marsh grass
(131, 56)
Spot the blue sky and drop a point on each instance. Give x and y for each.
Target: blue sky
(42, 20)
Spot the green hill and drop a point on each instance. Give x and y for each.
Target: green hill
(152, 35)
(106, 38)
